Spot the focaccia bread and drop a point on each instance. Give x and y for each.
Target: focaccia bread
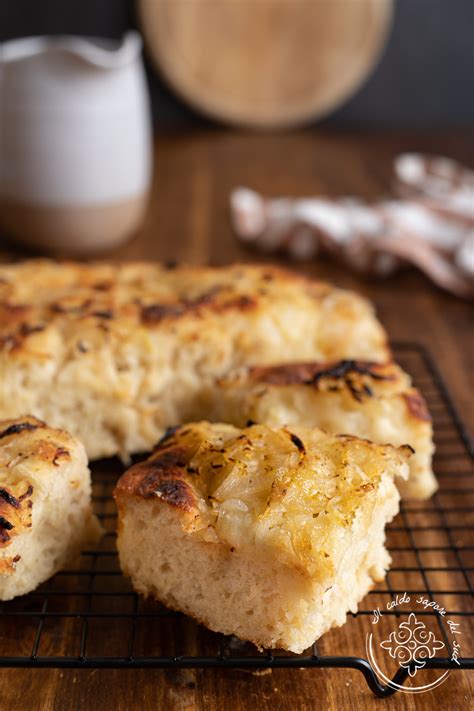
(271, 534)
(112, 352)
(375, 401)
(45, 504)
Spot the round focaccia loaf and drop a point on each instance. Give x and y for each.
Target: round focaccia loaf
(112, 352)
(268, 533)
(375, 401)
(45, 504)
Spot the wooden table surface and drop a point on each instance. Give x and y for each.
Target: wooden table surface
(188, 220)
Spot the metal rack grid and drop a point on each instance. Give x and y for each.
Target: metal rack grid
(89, 617)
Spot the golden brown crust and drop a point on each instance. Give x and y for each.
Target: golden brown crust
(168, 475)
(23, 439)
(361, 379)
(15, 511)
(210, 301)
(313, 373)
(358, 376)
(285, 488)
(28, 424)
(35, 294)
(47, 450)
(163, 476)
(7, 565)
(416, 405)
(106, 292)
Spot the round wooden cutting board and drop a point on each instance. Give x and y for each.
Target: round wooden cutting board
(265, 63)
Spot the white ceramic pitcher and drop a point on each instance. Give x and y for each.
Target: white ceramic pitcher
(75, 141)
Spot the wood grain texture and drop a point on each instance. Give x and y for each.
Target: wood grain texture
(265, 62)
(188, 220)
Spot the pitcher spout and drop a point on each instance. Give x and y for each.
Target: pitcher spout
(98, 52)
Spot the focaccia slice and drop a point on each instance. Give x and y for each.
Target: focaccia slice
(114, 352)
(45, 504)
(271, 534)
(375, 401)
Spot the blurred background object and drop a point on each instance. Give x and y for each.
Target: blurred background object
(76, 146)
(431, 226)
(277, 63)
(423, 78)
(75, 143)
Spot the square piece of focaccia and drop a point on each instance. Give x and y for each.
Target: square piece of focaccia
(114, 352)
(374, 401)
(269, 534)
(45, 504)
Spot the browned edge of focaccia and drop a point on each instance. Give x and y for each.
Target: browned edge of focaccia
(360, 377)
(16, 504)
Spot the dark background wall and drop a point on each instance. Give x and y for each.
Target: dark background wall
(425, 77)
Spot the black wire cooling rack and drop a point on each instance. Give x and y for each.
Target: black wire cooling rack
(89, 617)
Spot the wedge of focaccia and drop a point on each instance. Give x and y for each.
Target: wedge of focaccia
(375, 401)
(114, 352)
(271, 534)
(45, 504)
